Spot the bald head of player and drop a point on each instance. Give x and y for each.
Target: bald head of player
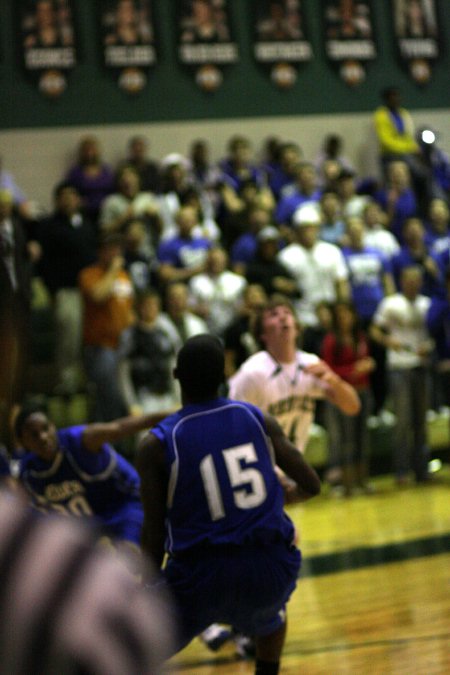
(200, 368)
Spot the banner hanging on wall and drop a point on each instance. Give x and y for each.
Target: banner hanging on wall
(280, 41)
(48, 43)
(128, 40)
(205, 41)
(349, 42)
(417, 34)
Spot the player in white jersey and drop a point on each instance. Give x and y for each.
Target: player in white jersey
(286, 381)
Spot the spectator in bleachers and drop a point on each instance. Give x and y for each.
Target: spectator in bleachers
(238, 166)
(306, 190)
(399, 325)
(266, 269)
(140, 263)
(202, 172)
(370, 273)
(235, 207)
(129, 202)
(395, 129)
(93, 178)
(397, 197)
(69, 243)
(239, 341)
(416, 252)
(216, 293)
(332, 151)
(147, 168)
(206, 226)
(177, 318)
(371, 279)
(332, 228)
(149, 358)
(182, 256)
(352, 202)
(318, 267)
(346, 350)
(281, 175)
(438, 226)
(107, 293)
(175, 181)
(244, 249)
(376, 234)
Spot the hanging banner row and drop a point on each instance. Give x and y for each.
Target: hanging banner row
(207, 46)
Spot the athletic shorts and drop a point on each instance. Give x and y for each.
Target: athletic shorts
(125, 524)
(246, 587)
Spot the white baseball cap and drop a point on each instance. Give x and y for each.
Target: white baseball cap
(307, 214)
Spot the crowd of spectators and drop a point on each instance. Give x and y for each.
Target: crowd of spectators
(137, 258)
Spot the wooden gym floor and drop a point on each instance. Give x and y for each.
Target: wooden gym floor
(374, 593)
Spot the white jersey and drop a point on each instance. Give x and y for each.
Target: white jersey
(282, 390)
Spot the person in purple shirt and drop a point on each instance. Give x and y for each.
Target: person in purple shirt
(182, 256)
(93, 178)
(397, 198)
(415, 252)
(305, 190)
(237, 166)
(370, 273)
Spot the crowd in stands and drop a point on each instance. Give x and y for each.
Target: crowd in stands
(137, 258)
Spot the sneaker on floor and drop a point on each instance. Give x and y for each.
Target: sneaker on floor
(215, 636)
(245, 646)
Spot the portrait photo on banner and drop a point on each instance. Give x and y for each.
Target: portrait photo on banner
(280, 39)
(128, 39)
(48, 41)
(416, 27)
(205, 39)
(349, 37)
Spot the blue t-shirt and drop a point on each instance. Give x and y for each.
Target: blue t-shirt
(366, 269)
(101, 485)
(223, 489)
(181, 252)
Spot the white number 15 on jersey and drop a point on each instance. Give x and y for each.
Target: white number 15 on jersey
(240, 474)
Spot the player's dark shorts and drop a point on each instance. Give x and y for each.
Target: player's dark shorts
(245, 587)
(125, 524)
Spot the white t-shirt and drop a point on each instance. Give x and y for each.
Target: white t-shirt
(405, 321)
(220, 294)
(382, 241)
(317, 271)
(282, 390)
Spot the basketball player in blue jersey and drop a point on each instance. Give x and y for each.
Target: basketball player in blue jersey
(77, 472)
(213, 503)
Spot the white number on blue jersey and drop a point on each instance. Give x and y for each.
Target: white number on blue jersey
(237, 460)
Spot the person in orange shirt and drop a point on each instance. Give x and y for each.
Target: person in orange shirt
(107, 293)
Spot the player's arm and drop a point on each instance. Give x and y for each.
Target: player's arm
(94, 435)
(154, 483)
(338, 392)
(291, 461)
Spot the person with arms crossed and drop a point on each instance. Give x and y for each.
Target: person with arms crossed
(212, 501)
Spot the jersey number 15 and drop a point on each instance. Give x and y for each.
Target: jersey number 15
(240, 474)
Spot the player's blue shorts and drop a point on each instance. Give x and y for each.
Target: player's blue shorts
(125, 524)
(245, 587)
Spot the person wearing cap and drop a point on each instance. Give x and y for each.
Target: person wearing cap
(266, 269)
(213, 504)
(317, 266)
(107, 295)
